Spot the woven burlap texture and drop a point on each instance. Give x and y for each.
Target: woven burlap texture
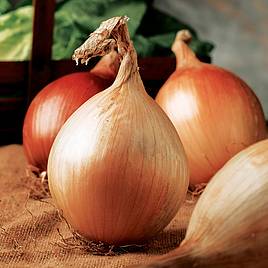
(31, 231)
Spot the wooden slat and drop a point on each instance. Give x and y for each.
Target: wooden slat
(62, 67)
(154, 72)
(154, 68)
(13, 72)
(39, 69)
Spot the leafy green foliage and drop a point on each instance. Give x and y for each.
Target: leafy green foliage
(160, 30)
(151, 30)
(4, 6)
(16, 34)
(76, 19)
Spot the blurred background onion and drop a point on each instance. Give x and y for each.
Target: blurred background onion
(239, 31)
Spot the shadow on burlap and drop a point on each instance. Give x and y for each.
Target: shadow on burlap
(32, 232)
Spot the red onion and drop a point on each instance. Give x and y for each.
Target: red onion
(54, 104)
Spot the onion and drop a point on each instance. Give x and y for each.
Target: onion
(229, 224)
(117, 168)
(215, 113)
(53, 105)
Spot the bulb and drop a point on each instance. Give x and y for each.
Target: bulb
(215, 113)
(117, 168)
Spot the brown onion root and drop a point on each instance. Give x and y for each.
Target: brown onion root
(76, 241)
(198, 189)
(36, 182)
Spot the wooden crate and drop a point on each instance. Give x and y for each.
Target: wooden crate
(21, 81)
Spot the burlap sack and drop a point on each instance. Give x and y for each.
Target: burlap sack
(32, 233)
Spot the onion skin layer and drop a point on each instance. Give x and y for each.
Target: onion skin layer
(215, 113)
(229, 224)
(117, 168)
(233, 217)
(54, 104)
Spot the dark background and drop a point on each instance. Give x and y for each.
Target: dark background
(237, 28)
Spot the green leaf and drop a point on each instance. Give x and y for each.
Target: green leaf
(4, 6)
(163, 40)
(162, 36)
(76, 19)
(143, 45)
(16, 34)
(152, 31)
(23, 3)
(155, 22)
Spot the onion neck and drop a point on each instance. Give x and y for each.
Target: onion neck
(129, 65)
(184, 55)
(112, 34)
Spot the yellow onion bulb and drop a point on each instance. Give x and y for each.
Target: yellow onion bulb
(232, 217)
(215, 113)
(117, 168)
(228, 226)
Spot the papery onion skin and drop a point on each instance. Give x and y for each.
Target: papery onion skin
(232, 217)
(54, 104)
(117, 169)
(215, 113)
(228, 226)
